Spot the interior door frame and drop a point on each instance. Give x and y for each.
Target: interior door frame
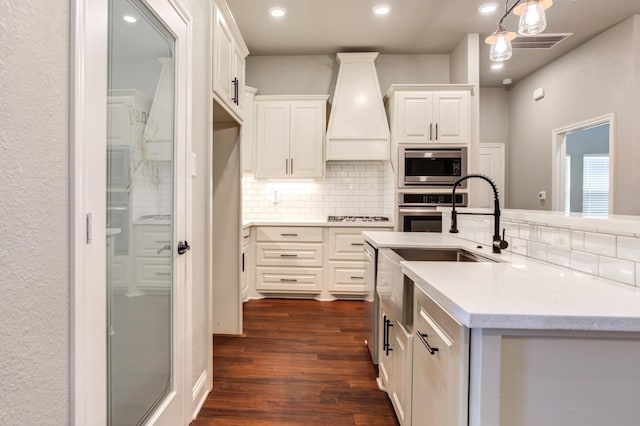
(559, 152)
(88, 127)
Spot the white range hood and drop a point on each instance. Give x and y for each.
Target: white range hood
(358, 127)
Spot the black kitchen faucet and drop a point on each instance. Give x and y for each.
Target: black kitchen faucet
(498, 242)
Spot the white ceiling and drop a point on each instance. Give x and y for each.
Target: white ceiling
(415, 26)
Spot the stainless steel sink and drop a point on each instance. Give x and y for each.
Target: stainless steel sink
(440, 255)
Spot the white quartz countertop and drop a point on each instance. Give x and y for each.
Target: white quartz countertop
(517, 292)
(348, 224)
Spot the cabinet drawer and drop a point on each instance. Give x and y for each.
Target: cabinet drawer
(294, 234)
(153, 273)
(296, 280)
(346, 244)
(347, 277)
(151, 240)
(289, 254)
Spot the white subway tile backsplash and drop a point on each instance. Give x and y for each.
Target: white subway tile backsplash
(518, 245)
(561, 239)
(577, 240)
(545, 234)
(584, 262)
(350, 188)
(559, 256)
(602, 244)
(615, 257)
(629, 248)
(537, 250)
(617, 270)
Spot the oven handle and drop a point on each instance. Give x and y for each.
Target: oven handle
(419, 211)
(433, 154)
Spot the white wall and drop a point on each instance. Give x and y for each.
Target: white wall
(597, 78)
(316, 74)
(34, 207)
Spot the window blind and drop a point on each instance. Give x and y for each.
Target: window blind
(595, 194)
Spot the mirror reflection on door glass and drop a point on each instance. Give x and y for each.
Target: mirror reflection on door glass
(139, 211)
(586, 167)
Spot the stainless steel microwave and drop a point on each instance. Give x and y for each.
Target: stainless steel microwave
(431, 167)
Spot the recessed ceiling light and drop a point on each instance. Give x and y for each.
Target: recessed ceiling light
(497, 66)
(129, 18)
(507, 81)
(277, 12)
(381, 9)
(488, 8)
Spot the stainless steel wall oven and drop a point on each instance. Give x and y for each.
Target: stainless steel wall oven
(417, 211)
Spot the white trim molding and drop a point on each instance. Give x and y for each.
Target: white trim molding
(88, 381)
(558, 153)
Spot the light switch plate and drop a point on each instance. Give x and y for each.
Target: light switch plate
(538, 93)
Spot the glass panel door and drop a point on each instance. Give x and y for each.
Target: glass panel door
(140, 212)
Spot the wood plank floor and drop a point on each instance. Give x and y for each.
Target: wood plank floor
(299, 362)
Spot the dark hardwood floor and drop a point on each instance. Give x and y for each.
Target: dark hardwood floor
(299, 362)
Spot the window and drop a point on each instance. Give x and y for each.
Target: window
(595, 194)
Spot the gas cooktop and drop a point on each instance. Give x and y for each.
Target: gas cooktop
(358, 219)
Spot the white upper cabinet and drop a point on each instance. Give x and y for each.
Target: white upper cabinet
(289, 136)
(228, 59)
(247, 146)
(430, 116)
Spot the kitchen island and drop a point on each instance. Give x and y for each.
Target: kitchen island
(517, 341)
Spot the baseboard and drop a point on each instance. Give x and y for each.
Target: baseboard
(199, 394)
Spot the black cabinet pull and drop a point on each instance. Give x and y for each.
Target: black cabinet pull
(234, 99)
(288, 255)
(288, 235)
(436, 132)
(357, 244)
(183, 247)
(423, 339)
(430, 131)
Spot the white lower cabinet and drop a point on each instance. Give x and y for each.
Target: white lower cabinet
(440, 366)
(245, 263)
(395, 364)
(346, 261)
(323, 261)
(289, 260)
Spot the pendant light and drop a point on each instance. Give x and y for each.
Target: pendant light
(532, 17)
(532, 21)
(500, 42)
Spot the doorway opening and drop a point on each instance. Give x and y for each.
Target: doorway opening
(583, 167)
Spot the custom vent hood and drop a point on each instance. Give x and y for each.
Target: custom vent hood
(358, 128)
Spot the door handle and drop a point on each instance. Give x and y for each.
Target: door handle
(183, 247)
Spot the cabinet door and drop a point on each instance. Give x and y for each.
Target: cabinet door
(413, 119)
(451, 115)
(307, 139)
(246, 133)
(272, 139)
(237, 70)
(223, 57)
(440, 374)
(385, 355)
(400, 394)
